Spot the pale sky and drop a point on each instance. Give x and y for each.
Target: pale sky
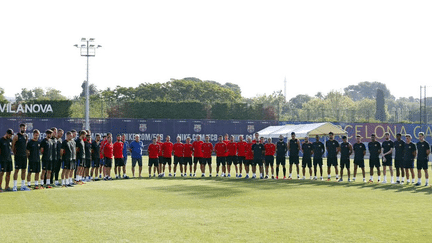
(317, 45)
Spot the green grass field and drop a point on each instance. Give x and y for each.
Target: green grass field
(218, 210)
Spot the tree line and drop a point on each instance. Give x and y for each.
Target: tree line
(197, 99)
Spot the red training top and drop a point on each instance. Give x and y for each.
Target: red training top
(232, 149)
(197, 148)
(226, 142)
(249, 152)
(108, 150)
(160, 148)
(241, 148)
(270, 149)
(187, 152)
(167, 149)
(220, 149)
(118, 150)
(153, 151)
(178, 149)
(207, 149)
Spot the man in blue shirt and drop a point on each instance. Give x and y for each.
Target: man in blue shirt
(135, 148)
(125, 152)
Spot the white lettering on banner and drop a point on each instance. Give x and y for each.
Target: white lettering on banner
(26, 108)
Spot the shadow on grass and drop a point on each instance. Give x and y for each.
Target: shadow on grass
(234, 186)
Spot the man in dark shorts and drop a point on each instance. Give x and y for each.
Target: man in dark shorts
(307, 149)
(258, 150)
(249, 156)
(160, 156)
(387, 147)
(58, 163)
(197, 152)
(220, 149)
(6, 158)
(88, 158)
(423, 151)
(108, 153)
(270, 150)
(410, 152)
(346, 151)
(153, 154)
(281, 150)
(359, 153)
(118, 157)
(135, 148)
(318, 152)
(374, 161)
(33, 152)
(47, 162)
(19, 145)
(232, 156)
(294, 149)
(81, 156)
(399, 146)
(95, 155)
(332, 147)
(68, 165)
(54, 154)
(207, 149)
(187, 153)
(241, 154)
(167, 150)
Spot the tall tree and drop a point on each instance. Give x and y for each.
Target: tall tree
(367, 90)
(92, 89)
(2, 98)
(380, 114)
(39, 94)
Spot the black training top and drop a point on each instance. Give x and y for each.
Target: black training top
(5, 149)
(387, 145)
(34, 148)
(294, 148)
(359, 148)
(47, 145)
(20, 144)
(307, 149)
(399, 148)
(409, 149)
(332, 146)
(374, 149)
(319, 149)
(258, 149)
(345, 150)
(281, 148)
(422, 147)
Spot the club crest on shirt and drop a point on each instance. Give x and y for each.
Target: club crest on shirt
(251, 128)
(143, 127)
(197, 127)
(29, 126)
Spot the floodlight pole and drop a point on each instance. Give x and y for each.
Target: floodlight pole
(87, 51)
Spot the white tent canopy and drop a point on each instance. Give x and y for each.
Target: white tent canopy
(301, 130)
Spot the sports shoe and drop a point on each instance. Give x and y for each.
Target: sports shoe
(315, 178)
(383, 182)
(378, 181)
(392, 182)
(261, 177)
(302, 178)
(170, 175)
(277, 177)
(110, 178)
(117, 177)
(328, 179)
(217, 175)
(57, 184)
(247, 177)
(266, 177)
(417, 184)
(100, 176)
(397, 182)
(126, 177)
(8, 189)
(14, 189)
(202, 175)
(340, 180)
(210, 175)
(298, 177)
(240, 175)
(70, 185)
(181, 175)
(253, 177)
(273, 177)
(24, 188)
(284, 178)
(48, 186)
(322, 179)
(190, 174)
(370, 181)
(349, 180)
(364, 180)
(229, 175)
(289, 178)
(426, 184)
(36, 187)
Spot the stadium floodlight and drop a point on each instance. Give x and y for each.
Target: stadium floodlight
(87, 51)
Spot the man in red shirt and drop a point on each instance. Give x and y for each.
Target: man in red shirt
(108, 155)
(241, 153)
(178, 148)
(160, 163)
(232, 156)
(198, 154)
(102, 159)
(167, 149)
(207, 149)
(118, 157)
(226, 142)
(270, 150)
(187, 156)
(221, 150)
(153, 153)
(249, 156)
